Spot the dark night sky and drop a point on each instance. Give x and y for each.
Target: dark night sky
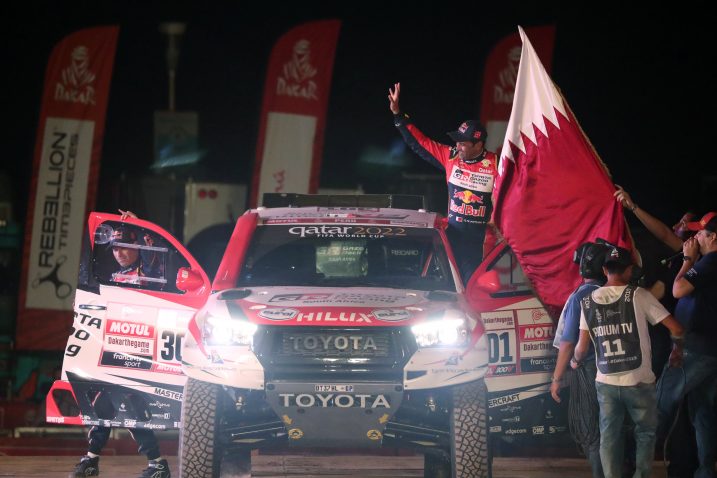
(640, 83)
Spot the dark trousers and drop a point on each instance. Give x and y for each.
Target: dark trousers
(145, 438)
(467, 249)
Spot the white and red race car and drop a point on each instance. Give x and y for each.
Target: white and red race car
(325, 326)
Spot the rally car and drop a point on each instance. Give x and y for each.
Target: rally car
(331, 322)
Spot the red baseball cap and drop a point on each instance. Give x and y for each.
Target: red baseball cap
(704, 223)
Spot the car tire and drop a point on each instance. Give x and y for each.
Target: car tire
(469, 431)
(200, 453)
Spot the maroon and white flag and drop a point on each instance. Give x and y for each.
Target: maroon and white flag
(64, 183)
(501, 73)
(553, 191)
(293, 116)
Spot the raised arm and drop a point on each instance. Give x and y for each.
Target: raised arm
(682, 287)
(656, 227)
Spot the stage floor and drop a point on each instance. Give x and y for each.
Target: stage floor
(292, 466)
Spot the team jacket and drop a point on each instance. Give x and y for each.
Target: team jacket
(470, 183)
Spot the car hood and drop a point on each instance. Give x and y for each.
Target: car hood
(340, 307)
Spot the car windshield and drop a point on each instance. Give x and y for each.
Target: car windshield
(347, 256)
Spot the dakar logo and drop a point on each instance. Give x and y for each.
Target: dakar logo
(297, 73)
(504, 90)
(76, 80)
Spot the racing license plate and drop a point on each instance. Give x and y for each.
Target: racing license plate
(333, 388)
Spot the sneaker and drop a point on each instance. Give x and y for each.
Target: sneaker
(156, 469)
(87, 466)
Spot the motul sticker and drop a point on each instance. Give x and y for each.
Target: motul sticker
(537, 332)
(132, 329)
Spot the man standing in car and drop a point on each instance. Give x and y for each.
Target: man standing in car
(470, 173)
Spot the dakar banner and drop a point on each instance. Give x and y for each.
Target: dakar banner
(64, 182)
(501, 73)
(293, 116)
(553, 191)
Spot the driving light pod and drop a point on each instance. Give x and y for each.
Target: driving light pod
(438, 333)
(222, 331)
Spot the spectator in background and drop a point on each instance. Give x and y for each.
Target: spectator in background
(590, 257)
(695, 287)
(615, 318)
(680, 444)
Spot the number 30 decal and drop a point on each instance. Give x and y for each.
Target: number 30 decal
(172, 346)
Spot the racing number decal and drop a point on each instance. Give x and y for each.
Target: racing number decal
(501, 352)
(171, 346)
(499, 348)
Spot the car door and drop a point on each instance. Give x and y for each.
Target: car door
(521, 355)
(138, 288)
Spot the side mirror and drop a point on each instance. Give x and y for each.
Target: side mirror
(188, 280)
(488, 282)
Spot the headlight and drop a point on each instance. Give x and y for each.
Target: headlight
(220, 331)
(436, 333)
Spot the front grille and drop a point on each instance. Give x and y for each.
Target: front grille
(295, 351)
(336, 344)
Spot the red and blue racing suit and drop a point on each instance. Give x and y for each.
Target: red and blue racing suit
(470, 184)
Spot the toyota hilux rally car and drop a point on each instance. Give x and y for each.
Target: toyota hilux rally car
(331, 322)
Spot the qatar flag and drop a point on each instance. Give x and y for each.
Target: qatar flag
(553, 191)
(499, 78)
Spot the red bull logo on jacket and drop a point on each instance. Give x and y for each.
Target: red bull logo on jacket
(468, 197)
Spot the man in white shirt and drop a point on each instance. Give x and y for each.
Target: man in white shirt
(615, 318)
